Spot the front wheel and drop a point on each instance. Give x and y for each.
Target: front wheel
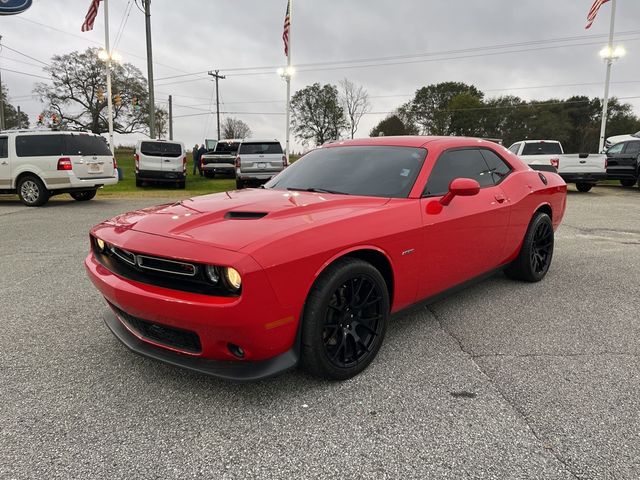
(345, 320)
(83, 196)
(534, 259)
(32, 191)
(627, 183)
(584, 187)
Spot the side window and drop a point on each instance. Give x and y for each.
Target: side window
(452, 164)
(514, 148)
(39, 145)
(4, 144)
(617, 148)
(498, 167)
(633, 148)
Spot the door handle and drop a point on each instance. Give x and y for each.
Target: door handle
(5, 163)
(500, 198)
(167, 161)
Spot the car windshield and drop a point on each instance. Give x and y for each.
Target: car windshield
(376, 171)
(227, 147)
(161, 149)
(256, 148)
(542, 148)
(85, 145)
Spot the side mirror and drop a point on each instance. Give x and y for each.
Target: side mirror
(583, 155)
(460, 187)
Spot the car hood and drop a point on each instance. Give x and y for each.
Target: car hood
(234, 220)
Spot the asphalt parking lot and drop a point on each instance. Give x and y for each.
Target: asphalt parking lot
(503, 380)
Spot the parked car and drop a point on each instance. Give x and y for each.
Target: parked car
(620, 138)
(583, 169)
(160, 161)
(623, 162)
(258, 161)
(37, 164)
(246, 284)
(220, 160)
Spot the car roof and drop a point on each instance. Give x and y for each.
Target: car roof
(153, 140)
(49, 132)
(260, 140)
(416, 141)
(540, 141)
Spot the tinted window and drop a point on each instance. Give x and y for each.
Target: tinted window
(453, 164)
(633, 148)
(617, 148)
(260, 148)
(542, 148)
(161, 149)
(498, 167)
(372, 171)
(3, 147)
(514, 148)
(230, 148)
(210, 144)
(85, 145)
(39, 145)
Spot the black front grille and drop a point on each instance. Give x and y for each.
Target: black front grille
(185, 340)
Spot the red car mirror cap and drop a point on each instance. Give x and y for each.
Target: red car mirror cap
(460, 187)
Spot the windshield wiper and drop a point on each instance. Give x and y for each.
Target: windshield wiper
(316, 190)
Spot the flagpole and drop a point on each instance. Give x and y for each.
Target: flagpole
(609, 59)
(288, 78)
(108, 62)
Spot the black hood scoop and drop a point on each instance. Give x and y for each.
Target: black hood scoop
(245, 215)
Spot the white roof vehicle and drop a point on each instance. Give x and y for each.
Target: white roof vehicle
(620, 138)
(37, 164)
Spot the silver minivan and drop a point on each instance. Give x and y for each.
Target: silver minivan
(258, 161)
(160, 161)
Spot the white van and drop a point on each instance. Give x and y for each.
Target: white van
(161, 161)
(37, 164)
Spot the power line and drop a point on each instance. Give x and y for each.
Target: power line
(123, 24)
(21, 62)
(24, 54)
(25, 73)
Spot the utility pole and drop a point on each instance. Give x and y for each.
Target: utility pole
(217, 77)
(107, 49)
(152, 101)
(1, 96)
(170, 117)
(19, 118)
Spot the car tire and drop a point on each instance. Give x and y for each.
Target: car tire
(32, 191)
(536, 253)
(239, 184)
(138, 183)
(182, 185)
(627, 183)
(584, 187)
(83, 196)
(345, 320)
(210, 174)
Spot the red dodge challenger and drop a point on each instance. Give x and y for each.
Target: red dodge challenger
(245, 284)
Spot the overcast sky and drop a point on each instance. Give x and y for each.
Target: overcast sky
(196, 36)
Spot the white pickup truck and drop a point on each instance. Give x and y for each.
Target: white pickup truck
(583, 169)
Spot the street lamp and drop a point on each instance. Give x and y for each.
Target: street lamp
(612, 54)
(609, 54)
(109, 58)
(286, 74)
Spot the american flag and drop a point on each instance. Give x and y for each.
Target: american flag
(90, 19)
(594, 11)
(287, 26)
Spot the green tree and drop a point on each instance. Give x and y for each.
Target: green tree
(393, 125)
(317, 115)
(465, 112)
(78, 95)
(11, 118)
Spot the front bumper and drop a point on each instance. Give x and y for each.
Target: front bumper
(583, 177)
(228, 370)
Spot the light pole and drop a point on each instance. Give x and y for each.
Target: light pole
(286, 74)
(610, 54)
(109, 57)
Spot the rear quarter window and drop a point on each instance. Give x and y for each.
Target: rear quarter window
(39, 145)
(161, 149)
(260, 148)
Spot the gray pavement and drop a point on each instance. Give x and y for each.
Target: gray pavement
(503, 380)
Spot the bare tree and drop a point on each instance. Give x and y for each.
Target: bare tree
(162, 122)
(235, 128)
(355, 101)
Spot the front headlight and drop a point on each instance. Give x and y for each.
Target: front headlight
(234, 280)
(100, 244)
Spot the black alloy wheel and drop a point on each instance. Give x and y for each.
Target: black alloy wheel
(345, 319)
(542, 248)
(534, 259)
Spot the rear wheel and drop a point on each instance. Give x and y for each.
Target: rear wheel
(210, 174)
(536, 253)
(584, 187)
(83, 196)
(138, 182)
(345, 320)
(32, 191)
(182, 184)
(627, 183)
(239, 184)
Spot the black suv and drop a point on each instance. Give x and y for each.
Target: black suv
(623, 162)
